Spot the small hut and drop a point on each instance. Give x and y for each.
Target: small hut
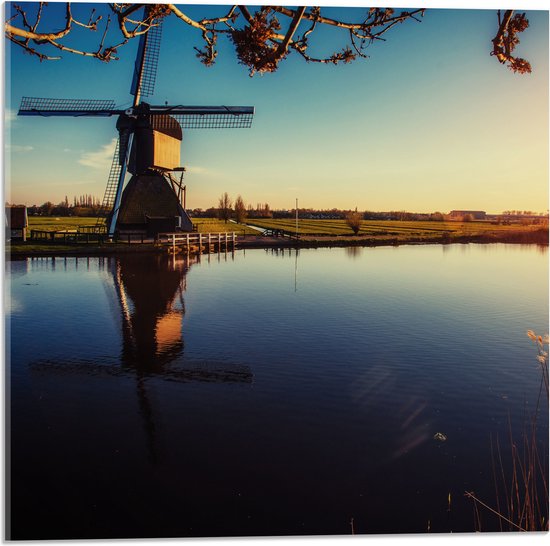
(16, 223)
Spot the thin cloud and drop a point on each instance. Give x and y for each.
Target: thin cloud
(100, 159)
(16, 148)
(196, 169)
(9, 117)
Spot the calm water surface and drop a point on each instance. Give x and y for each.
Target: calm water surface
(267, 393)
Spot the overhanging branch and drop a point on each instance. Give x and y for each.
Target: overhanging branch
(263, 36)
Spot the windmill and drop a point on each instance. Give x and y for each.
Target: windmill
(148, 146)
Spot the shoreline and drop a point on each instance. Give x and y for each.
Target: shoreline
(30, 249)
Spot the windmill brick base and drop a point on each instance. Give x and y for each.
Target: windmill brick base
(150, 206)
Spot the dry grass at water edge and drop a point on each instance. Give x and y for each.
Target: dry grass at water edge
(521, 490)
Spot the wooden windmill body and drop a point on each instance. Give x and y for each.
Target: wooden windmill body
(148, 203)
(148, 146)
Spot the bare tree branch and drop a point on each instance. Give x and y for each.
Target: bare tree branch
(38, 16)
(41, 56)
(230, 16)
(28, 37)
(246, 14)
(262, 36)
(377, 17)
(141, 26)
(283, 47)
(32, 34)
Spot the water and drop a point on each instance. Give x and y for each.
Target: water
(268, 393)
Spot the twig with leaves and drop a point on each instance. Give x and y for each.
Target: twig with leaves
(506, 39)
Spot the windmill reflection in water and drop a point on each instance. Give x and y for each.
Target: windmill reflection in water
(147, 295)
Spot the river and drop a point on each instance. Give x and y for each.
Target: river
(276, 392)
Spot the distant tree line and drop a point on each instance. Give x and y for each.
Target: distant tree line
(82, 205)
(238, 210)
(522, 213)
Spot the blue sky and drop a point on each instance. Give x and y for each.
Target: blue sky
(429, 122)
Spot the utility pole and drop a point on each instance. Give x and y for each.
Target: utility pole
(296, 218)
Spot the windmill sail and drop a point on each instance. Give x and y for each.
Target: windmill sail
(189, 117)
(112, 182)
(145, 69)
(35, 106)
(208, 117)
(214, 121)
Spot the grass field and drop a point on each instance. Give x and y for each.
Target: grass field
(50, 223)
(213, 225)
(378, 230)
(204, 225)
(393, 228)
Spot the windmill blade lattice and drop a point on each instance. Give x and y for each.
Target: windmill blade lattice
(205, 117)
(189, 117)
(214, 121)
(112, 182)
(145, 69)
(36, 106)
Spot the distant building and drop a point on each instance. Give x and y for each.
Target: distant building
(16, 222)
(476, 214)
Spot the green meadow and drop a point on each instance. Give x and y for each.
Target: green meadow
(393, 228)
(204, 225)
(323, 232)
(51, 223)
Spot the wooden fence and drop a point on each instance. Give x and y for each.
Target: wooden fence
(67, 236)
(275, 232)
(180, 239)
(188, 240)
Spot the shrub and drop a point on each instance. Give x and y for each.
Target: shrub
(354, 221)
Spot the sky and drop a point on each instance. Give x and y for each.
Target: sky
(429, 122)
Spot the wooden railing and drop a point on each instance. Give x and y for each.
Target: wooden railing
(198, 239)
(275, 232)
(67, 236)
(186, 239)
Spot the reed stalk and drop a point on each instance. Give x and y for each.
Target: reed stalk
(521, 491)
